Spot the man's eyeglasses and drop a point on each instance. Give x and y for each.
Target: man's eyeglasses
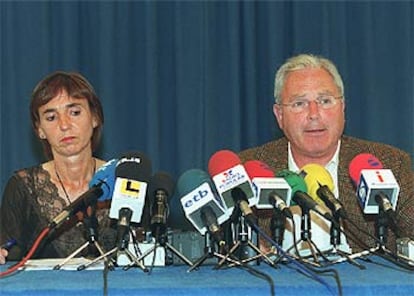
(325, 102)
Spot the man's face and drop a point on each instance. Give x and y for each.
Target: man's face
(313, 132)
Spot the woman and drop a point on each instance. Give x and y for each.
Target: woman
(67, 116)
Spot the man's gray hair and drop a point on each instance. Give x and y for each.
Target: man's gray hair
(304, 61)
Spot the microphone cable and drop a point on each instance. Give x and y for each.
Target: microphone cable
(301, 259)
(305, 268)
(254, 272)
(34, 247)
(105, 277)
(157, 237)
(386, 254)
(259, 274)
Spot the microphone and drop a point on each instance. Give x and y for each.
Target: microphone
(202, 207)
(105, 174)
(209, 219)
(240, 199)
(228, 174)
(320, 187)
(101, 186)
(372, 180)
(161, 188)
(383, 202)
(132, 175)
(299, 195)
(124, 220)
(271, 192)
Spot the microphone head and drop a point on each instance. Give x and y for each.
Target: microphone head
(371, 179)
(132, 175)
(315, 175)
(105, 177)
(258, 169)
(360, 162)
(192, 179)
(161, 181)
(196, 194)
(295, 181)
(221, 161)
(266, 185)
(134, 165)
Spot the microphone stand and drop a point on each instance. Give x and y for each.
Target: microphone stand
(242, 236)
(277, 225)
(90, 223)
(306, 236)
(381, 226)
(380, 249)
(382, 223)
(209, 252)
(124, 232)
(161, 240)
(336, 240)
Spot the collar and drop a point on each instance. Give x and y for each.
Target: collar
(331, 166)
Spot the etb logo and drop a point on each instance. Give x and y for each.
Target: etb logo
(130, 187)
(195, 197)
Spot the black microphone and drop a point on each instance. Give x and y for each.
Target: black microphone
(124, 220)
(320, 187)
(161, 189)
(331, 202)
(306, 202)
(81, 203)
(386, 206)
(132, 174)
(240, 199)
(209, 218)
(276, 201)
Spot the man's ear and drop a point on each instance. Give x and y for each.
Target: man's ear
(277, 111)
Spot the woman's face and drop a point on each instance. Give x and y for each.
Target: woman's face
(67, 124)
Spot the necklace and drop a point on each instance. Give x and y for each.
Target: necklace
(63, 186)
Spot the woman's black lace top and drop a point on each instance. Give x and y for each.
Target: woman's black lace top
(30, 201)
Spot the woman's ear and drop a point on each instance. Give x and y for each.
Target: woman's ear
(41, 134)
(94, 122)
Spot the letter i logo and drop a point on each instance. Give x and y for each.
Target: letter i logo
(379, 176)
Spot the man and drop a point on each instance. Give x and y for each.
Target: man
(310, 110)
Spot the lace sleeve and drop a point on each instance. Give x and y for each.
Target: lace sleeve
(15, 214)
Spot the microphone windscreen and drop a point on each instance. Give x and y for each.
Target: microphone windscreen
(221, 161)
(134, 165)
(161, 181)
(360, 162)
(190, 180)
(105, 177)
(294, 180)
(258, 169)
(314, 176)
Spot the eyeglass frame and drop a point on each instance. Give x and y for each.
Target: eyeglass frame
(307, 102)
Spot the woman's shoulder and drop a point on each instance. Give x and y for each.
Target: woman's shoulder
(99, 162)
(32, 171)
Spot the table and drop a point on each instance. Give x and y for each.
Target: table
(380, 277)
